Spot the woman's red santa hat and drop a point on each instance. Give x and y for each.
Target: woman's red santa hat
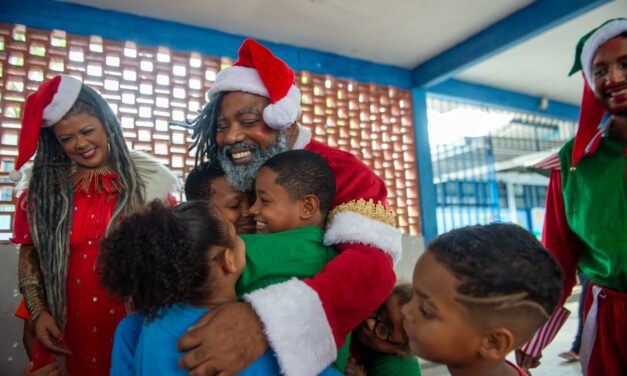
(258, 71)
(591, 110)
(44, 108)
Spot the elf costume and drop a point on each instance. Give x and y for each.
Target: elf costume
(361, 227)
(586, 223)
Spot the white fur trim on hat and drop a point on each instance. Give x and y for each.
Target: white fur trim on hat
(599, 37)
(285, 111)
(296, 327)
(238, 78)
(302, 139)
(277, 115)
(348, 227)
(63, 99)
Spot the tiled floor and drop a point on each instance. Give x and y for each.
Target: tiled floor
(551, 364)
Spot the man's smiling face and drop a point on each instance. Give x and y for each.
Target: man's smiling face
(244, 140)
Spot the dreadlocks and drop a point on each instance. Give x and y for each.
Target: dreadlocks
(51, 195)
(204, 130)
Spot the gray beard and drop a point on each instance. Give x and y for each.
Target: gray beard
(242, 177)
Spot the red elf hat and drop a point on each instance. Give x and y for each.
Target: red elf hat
(592, 111)
(43, 108)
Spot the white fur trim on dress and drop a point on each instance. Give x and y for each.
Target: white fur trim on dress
(602, 35)
(63, 99)
(238, 78)
(348, 227)
(160, 181)
(22, 185)
(296, 327)
(303, 138)
(285, 111)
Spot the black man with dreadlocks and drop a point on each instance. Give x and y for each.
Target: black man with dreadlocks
(252, 115)
(82, 180)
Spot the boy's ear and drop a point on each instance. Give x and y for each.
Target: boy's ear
(309, 206)
(496, 344)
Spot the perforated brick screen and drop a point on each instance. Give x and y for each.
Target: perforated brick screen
(148, 87)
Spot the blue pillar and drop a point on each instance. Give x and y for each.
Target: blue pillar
(425, 170)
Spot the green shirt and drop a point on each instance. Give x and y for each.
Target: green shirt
(595, 202)
(278, 257)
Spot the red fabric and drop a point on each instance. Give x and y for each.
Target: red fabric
(589, 118)
(566, 247)
(277, 77)
(352, 286)
(361, 277)
(353, 179)
(31, 121)
(92, 315)
(557, 236)
(21, 312)
(609, 355)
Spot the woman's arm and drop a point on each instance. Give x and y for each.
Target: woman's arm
(32, 288)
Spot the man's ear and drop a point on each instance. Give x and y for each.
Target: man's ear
(309, 207)
(496, 343)
(292, 133)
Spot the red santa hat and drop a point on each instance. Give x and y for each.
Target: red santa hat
(258, 71)
(592, 111)
(43, 108)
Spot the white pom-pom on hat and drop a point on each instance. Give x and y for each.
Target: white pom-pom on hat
(257, 71)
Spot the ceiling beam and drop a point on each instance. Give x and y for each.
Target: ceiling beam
(536, 18)
(483, 95)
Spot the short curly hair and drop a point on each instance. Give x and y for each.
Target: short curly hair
(198, 181)
(302, 173)
(501, 266)
(160, 256)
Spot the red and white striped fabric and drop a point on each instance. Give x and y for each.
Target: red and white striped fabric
(546, 333)
(552, 162)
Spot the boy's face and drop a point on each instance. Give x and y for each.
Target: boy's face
(383, 331)
(233, 204)
(439, 328)
(274, 210)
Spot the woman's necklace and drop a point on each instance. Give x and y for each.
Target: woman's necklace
(90, 178)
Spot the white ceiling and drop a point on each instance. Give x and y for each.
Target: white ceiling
(402, 33)
(540, 65)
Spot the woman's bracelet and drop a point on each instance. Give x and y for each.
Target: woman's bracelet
(31, 289)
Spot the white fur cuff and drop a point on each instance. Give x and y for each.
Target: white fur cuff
(348, 227)
(296, 327)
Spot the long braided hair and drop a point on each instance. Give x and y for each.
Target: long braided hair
(50, 199)
(204, 130)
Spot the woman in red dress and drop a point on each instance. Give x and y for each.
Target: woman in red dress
(82, 179)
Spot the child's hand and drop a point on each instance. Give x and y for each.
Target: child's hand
(50, 370)
(354, 369)
(526, 361)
